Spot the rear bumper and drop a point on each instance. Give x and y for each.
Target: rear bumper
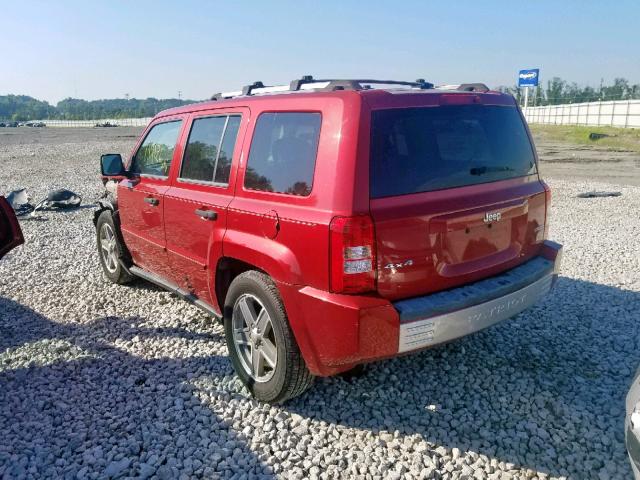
(336, 332)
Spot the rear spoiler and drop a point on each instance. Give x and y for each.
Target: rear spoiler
(473, 87)
(466, 87)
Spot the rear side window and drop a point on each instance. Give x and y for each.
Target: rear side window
(283, 153)
(209, 150)
(156, 152)
(433, 148)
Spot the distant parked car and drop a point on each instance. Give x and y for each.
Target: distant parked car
(10, 232)
(632, 425)
(38, 124)
(11, 124)
(106, 124)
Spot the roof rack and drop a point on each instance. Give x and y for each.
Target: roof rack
(355, 84)
(307, 82)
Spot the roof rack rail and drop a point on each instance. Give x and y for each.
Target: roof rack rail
(307, 82)
(355, 84)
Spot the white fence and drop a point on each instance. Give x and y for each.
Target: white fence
(121, 122)
(621, 113)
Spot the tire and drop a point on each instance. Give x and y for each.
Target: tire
(111, 251)
(269, 379)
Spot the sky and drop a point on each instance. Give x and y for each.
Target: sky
(99, 49)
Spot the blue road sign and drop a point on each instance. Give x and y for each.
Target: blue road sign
(528, 78)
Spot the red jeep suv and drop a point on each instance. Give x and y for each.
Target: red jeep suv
(331, 223)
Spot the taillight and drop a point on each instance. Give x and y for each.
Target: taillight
(353, 254)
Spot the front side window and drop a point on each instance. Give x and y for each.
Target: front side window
(156, 152)
(209, 151)
(283, 153)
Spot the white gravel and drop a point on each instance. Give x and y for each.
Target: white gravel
(100, 381)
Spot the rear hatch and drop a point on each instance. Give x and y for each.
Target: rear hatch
(455, 195)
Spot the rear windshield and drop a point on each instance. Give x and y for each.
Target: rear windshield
(424, 149)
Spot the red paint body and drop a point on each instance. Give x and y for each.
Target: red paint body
(10, 232)
(288, 236)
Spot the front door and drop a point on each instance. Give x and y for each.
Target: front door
(196, 203)
(141, 197)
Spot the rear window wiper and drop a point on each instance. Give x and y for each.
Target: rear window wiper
(490, 169)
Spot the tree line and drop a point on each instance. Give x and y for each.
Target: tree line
(558, 92)
(22, 107)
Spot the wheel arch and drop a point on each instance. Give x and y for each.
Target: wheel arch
(103, 205)
(229, 268)
(243, 251)
(106, 205)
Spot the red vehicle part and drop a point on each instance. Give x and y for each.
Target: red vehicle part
(10, 232)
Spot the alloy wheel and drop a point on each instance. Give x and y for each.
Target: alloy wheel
(254, 338)
(108, 248)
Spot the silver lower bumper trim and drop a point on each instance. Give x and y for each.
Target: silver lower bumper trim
(443, 328)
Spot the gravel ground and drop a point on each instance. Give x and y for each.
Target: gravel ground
(105, 381)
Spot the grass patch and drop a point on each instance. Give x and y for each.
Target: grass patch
(621, 139)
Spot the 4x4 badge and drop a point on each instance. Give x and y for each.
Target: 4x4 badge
(492, 217)
(395, 266)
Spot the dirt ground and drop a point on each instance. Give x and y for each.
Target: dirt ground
(561, 160)
(26, 135)
(568, 161)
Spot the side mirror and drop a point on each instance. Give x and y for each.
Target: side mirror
(111, 165)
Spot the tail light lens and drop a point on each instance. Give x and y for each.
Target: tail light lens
(353, 255)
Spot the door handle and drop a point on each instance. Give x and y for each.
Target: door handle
(206, 214)
(152, 201)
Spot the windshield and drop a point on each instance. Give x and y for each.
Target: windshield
(432, 148)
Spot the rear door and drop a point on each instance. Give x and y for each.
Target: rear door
(455, 195)
(196, 204)
(141, 197)
(10, 232)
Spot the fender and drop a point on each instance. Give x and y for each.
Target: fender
(274, 258)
